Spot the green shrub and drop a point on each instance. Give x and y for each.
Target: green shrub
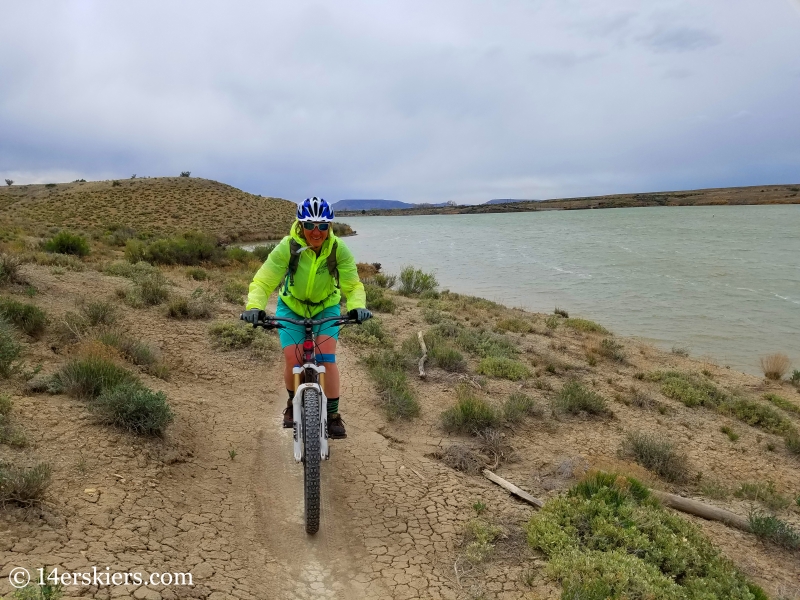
(149, 290)
(794, 379)
(235, 291)
(514, 324)
(561, 312)
(26, 317)
(231, 335)
(432, 316)
(131, 270)
(197, 273)
(238, 254)
(89, 377)
(100, 312)
(552, 322)
(387, 369)
(10, 269)
(518, 406)
(775, 530)
(378, 301)
(756, 414)
(657, 455)
(414, 281)
(689, 389)
(5, 405)
(783, 403)
(792, 442)
(504, 368)
(10, 351)
(24, 486)
(384, 281)
(447, 358)
(263, 252)
(585, 325)
(612, 349)
(680, 351)
(134, 408)
(190, 248)
(9, 434)
(764, 492)
(470, 414)
(575, 398)
(369, 333)
(732, 435)
(479, 539)
(199, 306)
(65, 242)
(136, 352)
(479, 342)
(607, 538)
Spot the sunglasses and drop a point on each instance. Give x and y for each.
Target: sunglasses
(309, 226)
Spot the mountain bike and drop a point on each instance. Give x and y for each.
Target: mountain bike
(310, 410)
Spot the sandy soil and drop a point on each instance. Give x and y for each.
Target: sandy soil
(393, 516)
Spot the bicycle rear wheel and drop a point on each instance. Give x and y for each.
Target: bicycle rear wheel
(311, 455)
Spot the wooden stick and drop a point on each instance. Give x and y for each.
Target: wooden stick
(424, 354)
(694, 507)
(510, 487)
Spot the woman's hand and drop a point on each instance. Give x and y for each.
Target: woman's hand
(359, 314)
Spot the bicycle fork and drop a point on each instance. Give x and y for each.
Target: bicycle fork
(297, 411)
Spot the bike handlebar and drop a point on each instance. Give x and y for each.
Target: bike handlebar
(273, 322)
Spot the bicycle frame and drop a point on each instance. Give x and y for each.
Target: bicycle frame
(311, 370)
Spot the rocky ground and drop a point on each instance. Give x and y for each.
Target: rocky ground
(221, 497)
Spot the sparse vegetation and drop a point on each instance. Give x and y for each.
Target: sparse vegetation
(680, 351)
(369, 333)
(263, 252)
(10, 351)
(607, 538)
(65, 242)
(470, 414)
(782, 403)
(26, 317)
(514, 324)
(232, 335)
(764, 492)
(574, 398)
(136, 352)
(657, 455)
(462, 458)
(585, 325)
(775, 366)
(135, 408)
(234, 291)
(775, 530)
(10, 269)
(10, 435)
(795, 378)
(689, 389)
(387, 369)
(24, 486)
(561, 312)
(518, 406)
(190, 248)
(378, 300)
(503, 368)
(199, 305)
(88, 377)
(385, 281)
(756, 414)
(727, 430)
(479, 539)
(197, 273)
(414, 282)
(148, 290)
(99, 312)
(612, 349)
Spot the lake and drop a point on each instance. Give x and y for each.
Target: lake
(721, 281)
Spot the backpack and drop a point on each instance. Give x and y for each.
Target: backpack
(294, 258)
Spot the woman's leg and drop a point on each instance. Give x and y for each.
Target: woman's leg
(327, 345)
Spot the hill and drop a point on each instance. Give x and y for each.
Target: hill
(369, 204)
(157, 205)
(765, 194)
(508, 201)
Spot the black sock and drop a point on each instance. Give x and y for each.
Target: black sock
(291, 394)
(333, 405)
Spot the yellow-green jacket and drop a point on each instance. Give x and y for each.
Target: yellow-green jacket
(312, 281)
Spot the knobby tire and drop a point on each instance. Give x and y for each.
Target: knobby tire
(311, 454)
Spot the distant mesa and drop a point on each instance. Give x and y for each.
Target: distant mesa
(369, 204)
(509, 201)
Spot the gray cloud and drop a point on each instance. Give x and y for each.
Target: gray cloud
(416, 101)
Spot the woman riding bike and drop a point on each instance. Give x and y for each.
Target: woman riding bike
(312, 268)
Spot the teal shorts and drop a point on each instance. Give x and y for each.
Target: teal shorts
(292, 334)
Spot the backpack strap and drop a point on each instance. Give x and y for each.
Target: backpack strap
(294, 259)
(333, 267)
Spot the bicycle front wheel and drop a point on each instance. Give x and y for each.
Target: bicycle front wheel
(311, 454)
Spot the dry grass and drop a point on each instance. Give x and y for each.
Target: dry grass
(155, 205)
(775, 366)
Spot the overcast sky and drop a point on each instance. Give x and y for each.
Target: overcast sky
(432, 100)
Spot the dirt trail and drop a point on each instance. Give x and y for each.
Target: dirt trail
(390, 516)
(221, 496)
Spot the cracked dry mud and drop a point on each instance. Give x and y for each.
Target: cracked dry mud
(392, 518)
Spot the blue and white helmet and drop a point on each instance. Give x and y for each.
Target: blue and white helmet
(314, 209)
